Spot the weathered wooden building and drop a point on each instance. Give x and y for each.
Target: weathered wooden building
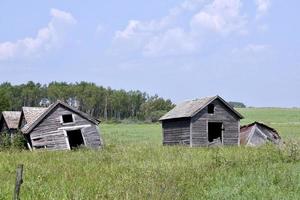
(59, 127)
(9, 121)
(202, 122)
(257, 134)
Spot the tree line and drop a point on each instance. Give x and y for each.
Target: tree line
(237, 104)
(100, 102)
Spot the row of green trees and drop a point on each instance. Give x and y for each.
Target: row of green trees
(100, 102)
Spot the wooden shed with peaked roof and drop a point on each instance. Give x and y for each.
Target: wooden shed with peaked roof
(202, 122)
(59, 127)
(256, 134)
(9, 121)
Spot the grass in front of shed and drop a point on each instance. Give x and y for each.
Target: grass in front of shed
(134, 165)
(154, 172)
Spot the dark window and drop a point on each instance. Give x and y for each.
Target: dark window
(211, 108)
(75, 138)
(67, 118)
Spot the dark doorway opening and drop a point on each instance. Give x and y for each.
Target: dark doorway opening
(214, 131)
(75, 138)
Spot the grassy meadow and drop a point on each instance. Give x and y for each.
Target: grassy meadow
(134, 165)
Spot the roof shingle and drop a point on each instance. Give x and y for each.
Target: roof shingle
(12, 118)
(31, 114)
(190, 108)
(186, 108)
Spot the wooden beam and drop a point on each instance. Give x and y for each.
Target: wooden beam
(19, 181)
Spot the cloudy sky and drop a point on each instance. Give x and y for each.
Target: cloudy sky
(245, 51)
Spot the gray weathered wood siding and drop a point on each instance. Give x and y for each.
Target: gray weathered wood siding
(176, 131)
(54, 140)
(221, 114)
(91, 136)
(51, 133)
(199, 132)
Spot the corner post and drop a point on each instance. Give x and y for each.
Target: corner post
(19, 181)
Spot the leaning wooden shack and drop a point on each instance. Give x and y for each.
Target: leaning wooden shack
(202, 122)
(256, 134)
(59, 127)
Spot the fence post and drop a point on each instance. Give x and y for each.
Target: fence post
(19, 181)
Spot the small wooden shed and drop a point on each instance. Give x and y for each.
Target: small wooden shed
(257, 134)
(59, 127)
(9, 121)
(202, 122)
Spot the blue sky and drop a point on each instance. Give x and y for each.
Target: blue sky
(245, 51)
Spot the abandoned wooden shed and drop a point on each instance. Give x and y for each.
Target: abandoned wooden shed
(202, 122)
(59, 127)
(257, 134)
(9, 121)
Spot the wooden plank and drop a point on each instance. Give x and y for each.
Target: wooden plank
(176, 132)
(19, 181)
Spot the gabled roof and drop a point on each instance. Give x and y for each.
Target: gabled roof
(11, 119)
(248, 130)
(191, 108)
(31, 114)
(43, 113)
(276, 134)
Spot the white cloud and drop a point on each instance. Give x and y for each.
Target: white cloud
(63, 16)
(158, 37)
(262, 7)
(187, 27)
(132, 28)
(47, 38)
(140, 36)
(221, 16)
(187, 5)
(172, 42)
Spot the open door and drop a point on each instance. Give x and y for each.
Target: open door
(75, 138)
(215, 132)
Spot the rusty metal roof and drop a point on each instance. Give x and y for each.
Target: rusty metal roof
(247, 130)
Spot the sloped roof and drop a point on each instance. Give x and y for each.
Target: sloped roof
(191, 108)
(246, 132)
(43, 112)
(32, 113)
(11, 118)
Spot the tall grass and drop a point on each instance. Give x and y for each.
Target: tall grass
(134, 165)
(152, 172)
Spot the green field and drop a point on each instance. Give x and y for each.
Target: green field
(134, 165)
(286, 121)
